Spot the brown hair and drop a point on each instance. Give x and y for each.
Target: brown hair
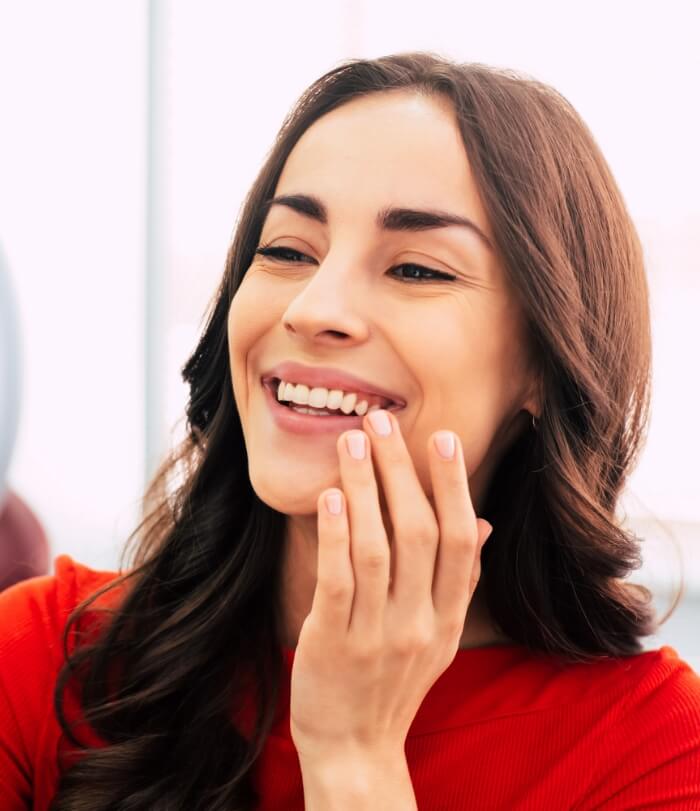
(201, 613)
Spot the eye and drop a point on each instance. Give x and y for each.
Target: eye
(290, 255)
(283, 254)
(412, 268)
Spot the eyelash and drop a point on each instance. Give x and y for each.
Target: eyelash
(275, 253)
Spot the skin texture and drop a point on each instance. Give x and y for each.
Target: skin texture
(454, 350)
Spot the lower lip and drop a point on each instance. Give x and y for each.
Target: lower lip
(297, 423)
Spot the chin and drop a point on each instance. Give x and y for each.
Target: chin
(289, 492)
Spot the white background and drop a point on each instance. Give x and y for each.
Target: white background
(116, 213)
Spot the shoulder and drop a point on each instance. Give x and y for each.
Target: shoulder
(629, 683)
(664, 700)
(33, 616)
(646, 695)
(33, 612)
(664, 671)
(658, 687)
(652, 752)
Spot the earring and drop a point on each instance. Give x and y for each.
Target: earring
(534, 423)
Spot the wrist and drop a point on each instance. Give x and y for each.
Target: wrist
(353, 780)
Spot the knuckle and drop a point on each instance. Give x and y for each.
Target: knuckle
(414, 640)
(453, 483)
(452, 627)
(459, 541)
(373, 560)
(336, 588)
(366, 651)
(419, 533)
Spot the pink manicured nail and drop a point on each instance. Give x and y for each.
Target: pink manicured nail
(380, 422)
(356, 445)
(333, 503)
(445, 444)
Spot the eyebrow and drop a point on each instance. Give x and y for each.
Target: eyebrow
(388, 219)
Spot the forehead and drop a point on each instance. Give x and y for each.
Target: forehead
(389, 148)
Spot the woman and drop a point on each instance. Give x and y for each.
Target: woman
(433, 323)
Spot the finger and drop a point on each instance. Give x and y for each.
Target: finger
(333, 595)
(415, 527)
(459, 533)
(369, 546)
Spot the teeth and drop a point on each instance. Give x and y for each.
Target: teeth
(300, 394)
(319, 398)
(348, 403)
(302, 410)
(335, 398)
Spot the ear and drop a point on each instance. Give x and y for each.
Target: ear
(534, 396)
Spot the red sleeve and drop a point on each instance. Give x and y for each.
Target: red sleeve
(15, 768)
(22, 684)
(653, 759)
(32, 617)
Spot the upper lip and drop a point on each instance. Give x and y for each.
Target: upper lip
(291, 371)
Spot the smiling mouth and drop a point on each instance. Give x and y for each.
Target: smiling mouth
(273, 384)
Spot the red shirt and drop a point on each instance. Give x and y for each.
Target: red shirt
(502, 728)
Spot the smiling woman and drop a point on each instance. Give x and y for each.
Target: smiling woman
(385, 568)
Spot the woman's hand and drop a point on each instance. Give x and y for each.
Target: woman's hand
(371, 647)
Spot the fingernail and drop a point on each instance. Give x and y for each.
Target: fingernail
(333, 503)
(356, 445)
(380, 422)
(445, 444)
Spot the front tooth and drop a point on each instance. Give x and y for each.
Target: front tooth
(335, 398)
(348, 403)
(361, 408)
(317, 397)
(374, 407)
(300, 394)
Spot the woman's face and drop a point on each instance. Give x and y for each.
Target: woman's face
(347, 295)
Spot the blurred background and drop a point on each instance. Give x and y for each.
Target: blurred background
(129, 135)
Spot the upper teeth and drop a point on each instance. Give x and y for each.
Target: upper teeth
(320, 397)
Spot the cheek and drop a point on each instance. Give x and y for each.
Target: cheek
(247, 320)
(243, 330)
(256, 306)
(471, 409)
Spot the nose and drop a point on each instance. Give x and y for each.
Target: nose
(331, 306)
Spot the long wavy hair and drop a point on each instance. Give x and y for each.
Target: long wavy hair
(196, 631)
